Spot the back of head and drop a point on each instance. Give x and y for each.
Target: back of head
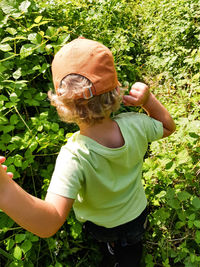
(88, 58)
(85, 81)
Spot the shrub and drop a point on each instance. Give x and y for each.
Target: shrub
(156, 41)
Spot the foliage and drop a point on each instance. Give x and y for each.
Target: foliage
(156, 41)
(170, 34)
(172, 184)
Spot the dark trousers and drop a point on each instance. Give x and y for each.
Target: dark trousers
(125, 240)
(128, 256)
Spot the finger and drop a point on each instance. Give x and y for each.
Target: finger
(139, 86)
(5, 167)
(134, 93)
(135, 87)
(10, 174)
(125, 103)
(2, 159)
(129, 100)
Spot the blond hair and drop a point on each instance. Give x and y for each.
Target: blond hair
(89, 111)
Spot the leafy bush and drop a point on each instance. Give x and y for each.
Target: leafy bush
(156, 41)
(170, 35)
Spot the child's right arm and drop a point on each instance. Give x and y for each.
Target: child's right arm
(41, 217)
(141, 96)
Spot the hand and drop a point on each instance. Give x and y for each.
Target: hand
(138, 95)
(2, 160)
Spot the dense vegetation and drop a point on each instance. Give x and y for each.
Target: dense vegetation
(156, 41)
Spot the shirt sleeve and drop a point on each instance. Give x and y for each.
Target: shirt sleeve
(153, 128)
(67, 176)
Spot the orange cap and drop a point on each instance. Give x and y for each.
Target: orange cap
(90, 59)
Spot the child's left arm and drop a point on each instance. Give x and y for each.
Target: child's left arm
(141, 96)
(41, 217)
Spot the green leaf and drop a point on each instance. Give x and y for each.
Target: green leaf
(55, 127)
(5, 47)
(149, 260)
(33, 146)
(183, 157)
(161, 194)
(3, 120)
(174, 203)
(10, 104)
(11, 169)
(17, 253)
(162, 214)
(5, 138)
(18, 263)
(10, 244)
(8, 128)
(19, 238)
(34, 238)
(51, 31)
(63, 39)
(12, 31)
(7, 39)
(41, 96)
(14, 119)
(18, 160)
(38, 19)
(192, 217)
(190, 224)
(7, 7)
(76, 230)
(26, 246)
(32, 102)
(44, 115)
(5, 222)
(197, 237)
(196, 203)
(44, 67)
(179, 225)
(182, 216)
(197, 223)
(193, 257)
(2, 68)
(184, 195)
(37, 67)
(194, 135)
(35, 38)
(40, 128)
(170, 193)
(24, 6)
(3, 98)
(169, 165)
(14, 97)
(17, 74)
(26, 50)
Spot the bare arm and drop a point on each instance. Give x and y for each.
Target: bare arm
(41, 217)
(140, 96)
(157, 111)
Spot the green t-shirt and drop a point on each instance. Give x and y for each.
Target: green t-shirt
(106, 182)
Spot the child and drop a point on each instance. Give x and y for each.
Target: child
(99, 170)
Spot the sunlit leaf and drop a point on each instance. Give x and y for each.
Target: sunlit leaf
(5, 47)
(24, 6)
(17, 253)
